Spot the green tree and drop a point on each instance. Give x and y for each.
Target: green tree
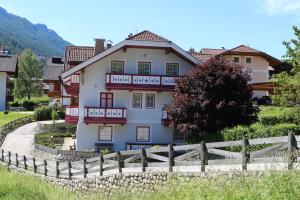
(287, 85)
(28, 83)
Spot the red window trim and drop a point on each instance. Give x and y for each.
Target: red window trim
(112, 98)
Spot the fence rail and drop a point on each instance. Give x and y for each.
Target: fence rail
(13, 125)
(278, 150)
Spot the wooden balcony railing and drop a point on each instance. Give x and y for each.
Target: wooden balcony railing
(71, 114)
(99, 115)
(140, 82)
(54, 93)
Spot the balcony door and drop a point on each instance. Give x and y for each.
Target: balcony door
(106, 99)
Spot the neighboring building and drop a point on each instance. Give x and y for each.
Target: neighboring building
(51, 78)
(257, 61)
(8, 67)
(74, 55)
(124, 89)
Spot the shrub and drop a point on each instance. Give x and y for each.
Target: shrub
(6, 112)
(15, 104)
(43, 113)
(273, 115)
(29, 105)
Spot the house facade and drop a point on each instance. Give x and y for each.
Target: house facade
(8, 67)
(124, 91)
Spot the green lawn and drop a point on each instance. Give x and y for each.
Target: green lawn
(5, 118)
(271, 186)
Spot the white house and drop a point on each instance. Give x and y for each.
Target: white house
(8, 66)
(124, 90)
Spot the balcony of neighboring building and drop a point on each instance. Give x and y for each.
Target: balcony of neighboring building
(71, 114)
(140, 82)
(71, 84)
(100, 115)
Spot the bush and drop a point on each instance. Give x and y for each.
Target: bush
(43, 113)
(15, 104)
(29, 105)
(6, 112)
(272, 116)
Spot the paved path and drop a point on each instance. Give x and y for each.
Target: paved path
(21, 140)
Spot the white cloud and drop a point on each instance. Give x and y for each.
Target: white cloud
(274, 7)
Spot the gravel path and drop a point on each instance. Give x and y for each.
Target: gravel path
(21, 140)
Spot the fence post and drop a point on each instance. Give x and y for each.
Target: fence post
(17, 160)
(291, 148)
(69, 169)
(24, 160)
(34, 165)
(203, 154)
(119, 160)
(171, 157)
(101, 164)
(45, 167)
(9, 158)
(245, 157)
(2, 155)
(84, 168)
(144, 159)
(57, 169)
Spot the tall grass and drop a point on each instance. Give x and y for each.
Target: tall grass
(15, 186)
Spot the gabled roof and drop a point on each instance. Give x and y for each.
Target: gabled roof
(51, 70)
(212, 51)
(144, 39)
(147, 36)
(201, 56)
(78, 53)
(8, 63)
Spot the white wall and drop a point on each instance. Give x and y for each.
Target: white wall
(94, 83)
(2, 90)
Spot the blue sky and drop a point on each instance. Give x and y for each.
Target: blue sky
(262, 24)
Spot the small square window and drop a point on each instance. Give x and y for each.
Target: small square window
(150, 101)
(248, 60)
(144, 68)
(137, 100)
(117, 67)
(143, 134)
(105, 133)
(236, 59)
(172, 69)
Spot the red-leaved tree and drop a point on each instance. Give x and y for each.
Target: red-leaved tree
(212, 96)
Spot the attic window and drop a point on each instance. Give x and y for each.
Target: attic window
(236, 59)
(248, 60)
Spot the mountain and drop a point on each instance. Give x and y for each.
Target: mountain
(17, 33)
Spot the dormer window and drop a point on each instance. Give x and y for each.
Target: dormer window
(248, 60)
(236, 59)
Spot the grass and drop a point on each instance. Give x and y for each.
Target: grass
(270, 186)
(51, 139)
(15, 186)
(6, 118)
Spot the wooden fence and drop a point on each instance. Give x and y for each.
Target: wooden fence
(279, 150)
(13, 125)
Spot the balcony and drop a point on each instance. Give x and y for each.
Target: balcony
(54, 93)
(71, 84)
(71, 114)
(97, 115)
(166, 119)
(140, 82)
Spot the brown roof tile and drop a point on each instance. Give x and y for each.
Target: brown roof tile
(201, 56)
(212, 51)
(147, 36)
(78, 53)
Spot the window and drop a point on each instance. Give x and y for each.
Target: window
(150, 101)
(172, 69)
(105, 133)
(248, 60)
(144, 68)
(117, 67)
(178, 137)
(106, 100)
(143, 134)
(236, 59)
(137, 100)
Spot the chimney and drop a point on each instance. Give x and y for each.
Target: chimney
(99, 46)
